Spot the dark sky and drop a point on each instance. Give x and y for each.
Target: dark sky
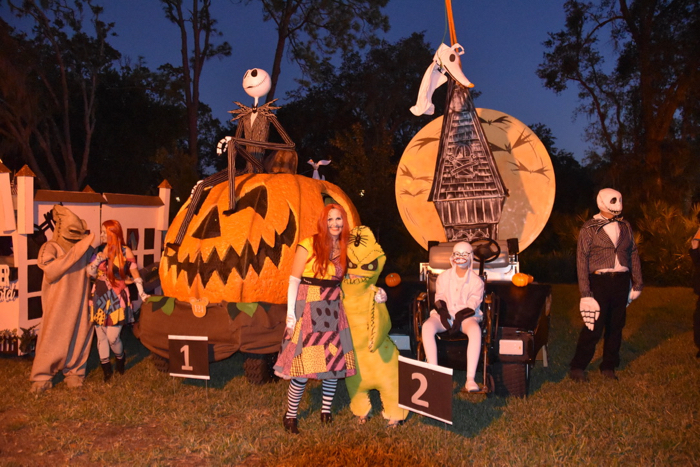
(502, 38)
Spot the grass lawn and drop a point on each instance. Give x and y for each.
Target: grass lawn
(651, 416)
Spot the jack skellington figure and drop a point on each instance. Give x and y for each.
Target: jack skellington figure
(250, 141)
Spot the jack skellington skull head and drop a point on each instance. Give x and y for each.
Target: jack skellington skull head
(610, 201)
(462, 255)
(256, 83)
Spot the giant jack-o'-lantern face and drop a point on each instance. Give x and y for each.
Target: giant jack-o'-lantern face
(246, 256)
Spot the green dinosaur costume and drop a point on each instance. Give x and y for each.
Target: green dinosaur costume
(377, 356)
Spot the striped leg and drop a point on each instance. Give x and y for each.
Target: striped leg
(296, 390)
(328, 386)
(194, 203)
(232, 179)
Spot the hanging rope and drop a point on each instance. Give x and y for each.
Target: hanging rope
(451, 22)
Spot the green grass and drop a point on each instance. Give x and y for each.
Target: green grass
(651, 416)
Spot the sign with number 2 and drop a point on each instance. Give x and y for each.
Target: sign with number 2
(425, 389)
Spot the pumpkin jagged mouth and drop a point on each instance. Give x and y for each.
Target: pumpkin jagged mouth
(224, 264)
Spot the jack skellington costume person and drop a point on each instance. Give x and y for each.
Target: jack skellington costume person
(610, 278)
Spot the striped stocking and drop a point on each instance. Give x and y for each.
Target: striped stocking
(328, 386)
(296, 390)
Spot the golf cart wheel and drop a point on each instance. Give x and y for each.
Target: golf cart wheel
(490, 384)
(161, 364)
(511, 379)
(257, 369)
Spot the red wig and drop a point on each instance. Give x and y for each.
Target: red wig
(115, 243)
(323, 241)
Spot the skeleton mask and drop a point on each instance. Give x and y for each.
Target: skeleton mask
(462, 255)
(70, 229)
(610, 200)
(256, 83)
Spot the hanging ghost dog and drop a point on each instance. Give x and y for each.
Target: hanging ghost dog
(66, 332)
(445, 63)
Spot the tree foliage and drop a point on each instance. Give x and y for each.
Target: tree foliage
(186, 78)
(50, 79)
(575, 186)
(643, 107)
(375, 90)
(314, 30)
(359, 118)
(552, 256)
(136, 120)
(662, 235)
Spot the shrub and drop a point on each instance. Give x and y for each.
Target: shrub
(663, 235)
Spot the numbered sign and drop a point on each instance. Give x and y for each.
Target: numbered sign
(425, 389)
(189, 356)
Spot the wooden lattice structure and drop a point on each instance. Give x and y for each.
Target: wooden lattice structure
(468, 191)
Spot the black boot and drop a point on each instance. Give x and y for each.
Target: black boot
(290, 424)
(120, 364)
(107, 370)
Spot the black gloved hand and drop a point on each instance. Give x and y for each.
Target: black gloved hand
(441, 308)
(459, 317)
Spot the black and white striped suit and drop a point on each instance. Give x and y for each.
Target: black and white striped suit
(596, 253)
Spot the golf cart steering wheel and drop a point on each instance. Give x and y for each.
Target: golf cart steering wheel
(485, 250)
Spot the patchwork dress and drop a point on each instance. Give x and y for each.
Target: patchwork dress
(320, 346)
(110, 304)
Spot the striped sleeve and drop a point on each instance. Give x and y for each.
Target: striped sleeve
(636, 266)
(585, 238)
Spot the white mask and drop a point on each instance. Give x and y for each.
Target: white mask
(610, 200)
(256, 83)
(462, 255)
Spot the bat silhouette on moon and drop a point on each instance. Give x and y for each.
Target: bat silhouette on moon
(522, 161)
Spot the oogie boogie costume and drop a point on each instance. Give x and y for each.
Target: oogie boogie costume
(66, 332)
(320, 346)
(377, 355)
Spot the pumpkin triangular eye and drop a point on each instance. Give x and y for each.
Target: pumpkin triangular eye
(209, 227)
(256, 199)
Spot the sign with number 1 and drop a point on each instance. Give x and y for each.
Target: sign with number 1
(425, 389)
(189, 356)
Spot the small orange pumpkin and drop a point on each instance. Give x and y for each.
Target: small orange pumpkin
(247, 256)
(520, 279)
(392, 280)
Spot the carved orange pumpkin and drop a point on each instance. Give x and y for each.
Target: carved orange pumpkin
(520, 279)
(392, 280)
(247, 256)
